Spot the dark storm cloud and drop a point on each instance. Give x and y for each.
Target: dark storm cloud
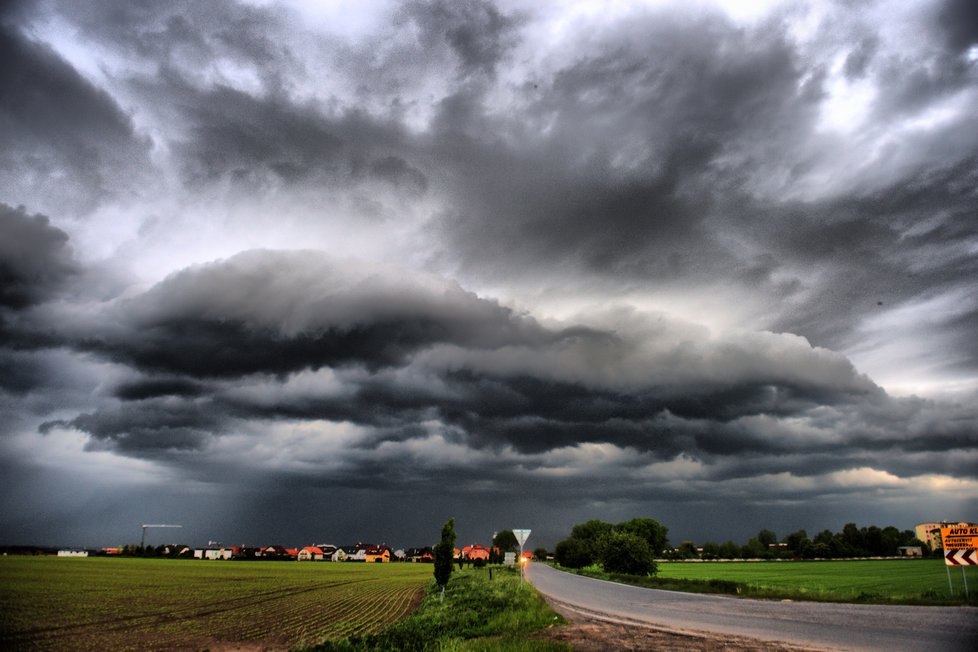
(277, 312)
(20, 372)
(261, 141)
(148, 428)
(478, 33)
(643, 160)
(859, 58)
(138, 390)
(260, 137)
(404, 350)
(186, 33)
(614, 158)
(60, 136)
(35, 259)
(959, 20)
(872, 254)
(398, 172)
(234, 134)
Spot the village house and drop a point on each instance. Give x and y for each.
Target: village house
(355, 553)
(474, 552)
(420, 555)
(310, 553)
(279, 552)
(212, 553)
(377, 554)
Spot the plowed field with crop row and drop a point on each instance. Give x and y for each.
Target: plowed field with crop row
(47, 603)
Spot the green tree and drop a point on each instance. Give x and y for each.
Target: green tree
(873, 539)
(729, 550)
(711, 550)
(766, 538)
(754, 549)
(890, 540)
(798, 542)
(444, 554)
(854, 538)
(574, 553)
(540, 554)
(593, 530)
(654, 532)
(506, 541)
(687, 550)
(623, 552)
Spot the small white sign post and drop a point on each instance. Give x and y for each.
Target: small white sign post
(521, 537)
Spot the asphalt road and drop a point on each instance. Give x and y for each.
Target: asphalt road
(816, 624)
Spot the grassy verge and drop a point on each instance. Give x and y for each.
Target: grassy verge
(872, 582)
(477, 614)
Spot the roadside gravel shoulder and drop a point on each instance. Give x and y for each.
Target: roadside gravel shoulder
(590, 632)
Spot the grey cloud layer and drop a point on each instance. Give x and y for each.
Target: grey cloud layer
(298, 337)
(669, 150)
(35, 259)
(63, 141)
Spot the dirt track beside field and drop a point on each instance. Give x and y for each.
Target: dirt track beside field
(590, 634)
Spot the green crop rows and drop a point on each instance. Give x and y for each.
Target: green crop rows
(142, 604)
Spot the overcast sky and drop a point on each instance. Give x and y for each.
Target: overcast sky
(288, 272)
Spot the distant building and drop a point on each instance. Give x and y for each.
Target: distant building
(420, 554)
(475, 551)
(910, 551)
(310, 553)
(73, 553)
(375, 554)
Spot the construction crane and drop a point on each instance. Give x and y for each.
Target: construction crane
(142, 542)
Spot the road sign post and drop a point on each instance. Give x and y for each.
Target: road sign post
(521, 537)
(960, 549)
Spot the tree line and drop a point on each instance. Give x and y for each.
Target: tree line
(631, 547)
(851, 541)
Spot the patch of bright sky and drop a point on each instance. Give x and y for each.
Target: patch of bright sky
(847, 102)
(895, 351)
(353, 19)
(66, 448)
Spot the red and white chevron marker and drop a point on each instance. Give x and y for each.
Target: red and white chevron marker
(961, 557)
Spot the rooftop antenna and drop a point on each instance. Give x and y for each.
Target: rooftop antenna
(142, 542)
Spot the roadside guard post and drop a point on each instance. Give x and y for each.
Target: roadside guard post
(521, 537)
(960, 549)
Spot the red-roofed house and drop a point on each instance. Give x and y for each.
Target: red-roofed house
(310, 553)
(475, 551)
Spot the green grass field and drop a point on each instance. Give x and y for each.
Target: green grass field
(147, 604)
(478, 614)
(908, 581)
